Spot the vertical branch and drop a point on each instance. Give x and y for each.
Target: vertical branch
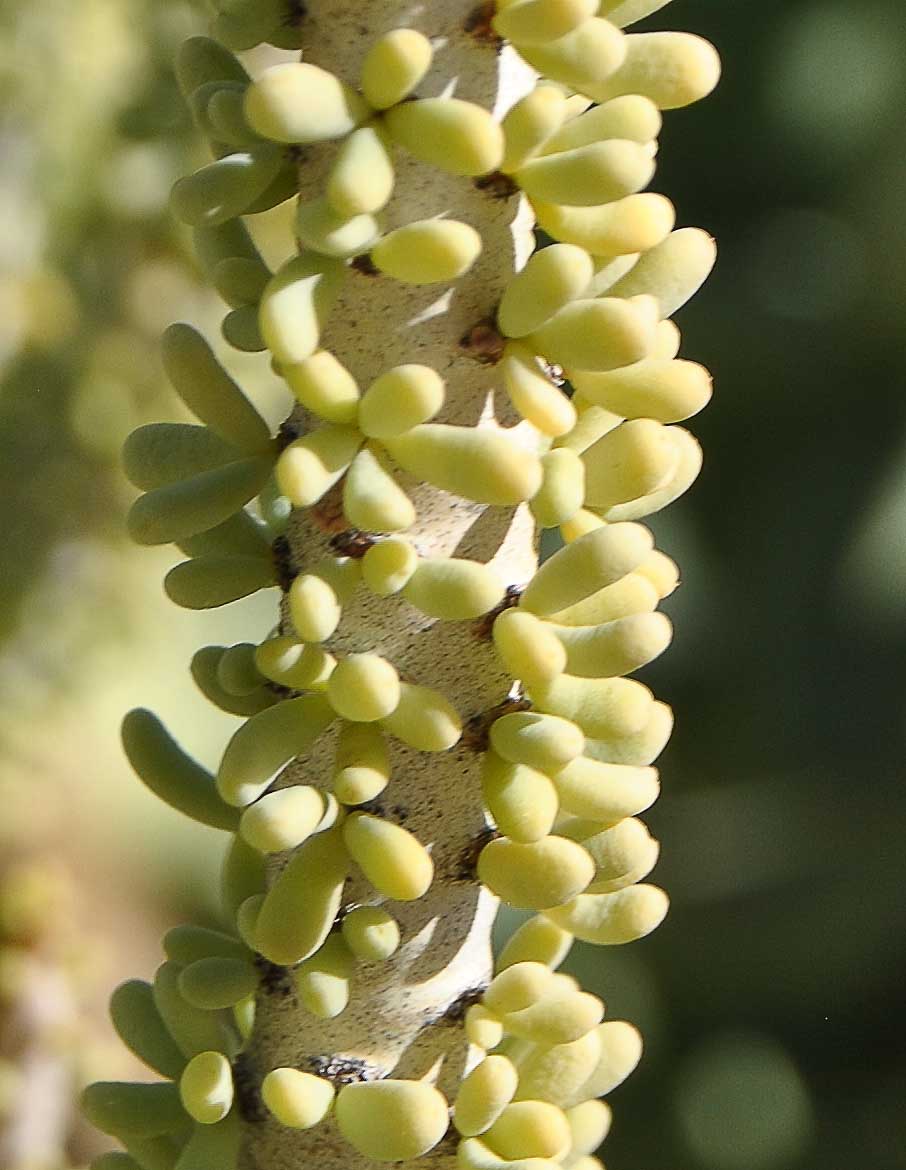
(436, 723)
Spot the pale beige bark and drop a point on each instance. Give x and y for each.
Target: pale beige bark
(404, 1018)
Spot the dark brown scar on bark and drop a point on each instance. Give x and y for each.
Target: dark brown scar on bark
(287, 432)
(497, 185)
(397, 814)
(274, 980)
(483, 626)
(341, 1070)
(467, 862)
(483, 342)
(295, 154)
(479, 27)
(365, 265)
(248, 1091)
(352, 543)
(327, 514)
(475, 735)
(284, 572)
(296, 12)
(456, 1011)
(374, 807)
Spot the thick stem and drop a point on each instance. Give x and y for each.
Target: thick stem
(403, 1017)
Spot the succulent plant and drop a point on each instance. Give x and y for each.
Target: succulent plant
(436, 723)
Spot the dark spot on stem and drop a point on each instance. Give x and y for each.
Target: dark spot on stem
(295, 154)
(365, 265)
(497, 185)
(248, 1091)
(352, 543)
(296, 12)
(374, 807)
(478, 25)
(483, 626)
(477, 729)
(288, 432)
(284, 572)
(275, 980)
(467, 862)
(328, 514)
(456, 1011)
(342, 1070)
(483, 343)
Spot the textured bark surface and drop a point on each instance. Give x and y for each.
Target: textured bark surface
(404, 1017)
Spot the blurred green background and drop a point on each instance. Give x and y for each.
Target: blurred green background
(771, 999)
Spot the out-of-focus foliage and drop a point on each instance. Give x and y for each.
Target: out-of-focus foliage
(93, 134)
(769, 999)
